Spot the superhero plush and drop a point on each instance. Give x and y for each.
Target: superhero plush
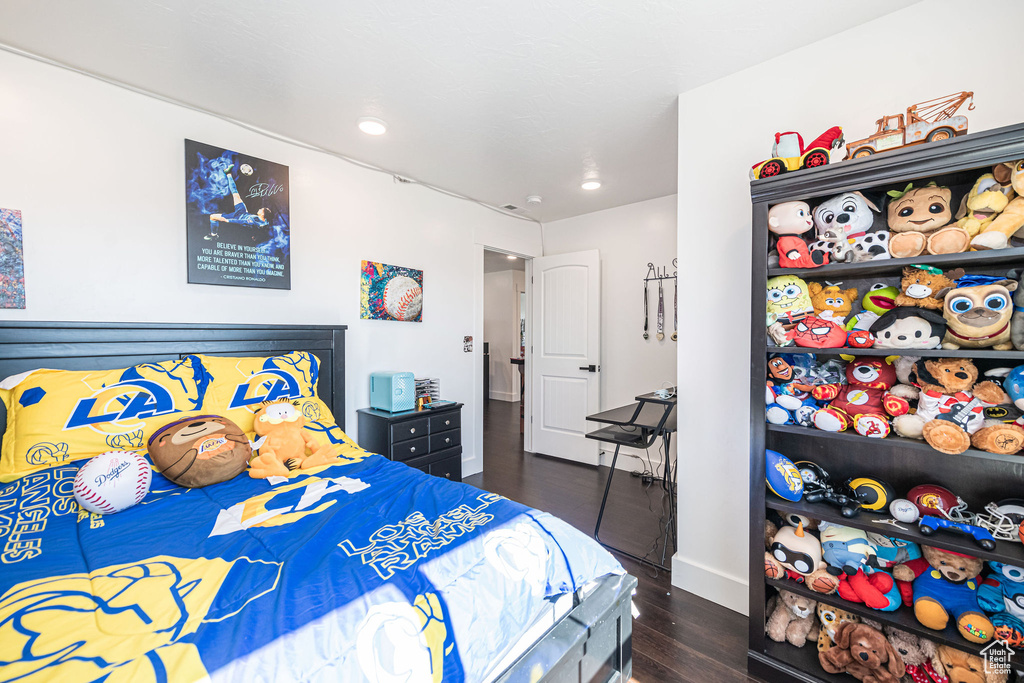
(818, 333)
(788, 221)
(863, 402)
(796, 554)
(1001, 595)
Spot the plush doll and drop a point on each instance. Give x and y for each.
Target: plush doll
(860, 339)
(946, 586)
(982, 204)
(963, 667)
(831, 302)
(788, 299)
(835, 245)
(864, 653)
(853, 215)
(950, 409)
(878, 300)
(788, 221)
(1001, 595)
(831, 618)
(864, 401)
(997, 234)
(891, 552)
(286, 442)
(844, 549)
(926, 286)
(918, 219)
(790, 618)
(796, 554)
(907, 327)
(200, 450)
(919, 655)
(978, 312)
(818, 333)
(785, 393)
(1017, 319)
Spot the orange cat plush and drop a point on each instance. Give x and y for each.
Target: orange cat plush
(285, 445)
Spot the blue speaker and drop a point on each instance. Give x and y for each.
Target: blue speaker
(392, 391)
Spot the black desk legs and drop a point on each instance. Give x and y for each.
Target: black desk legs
(670, 526)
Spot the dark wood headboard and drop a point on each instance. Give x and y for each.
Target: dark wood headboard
(104, 346)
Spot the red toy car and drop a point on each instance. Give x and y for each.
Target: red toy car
(790, 154)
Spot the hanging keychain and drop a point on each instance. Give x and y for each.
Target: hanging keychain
(645, 309)
(675, 310)
(661, 312)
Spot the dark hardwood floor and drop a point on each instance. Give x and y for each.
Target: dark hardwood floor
(678, 636)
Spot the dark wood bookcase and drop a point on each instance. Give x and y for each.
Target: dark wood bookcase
(976, 476)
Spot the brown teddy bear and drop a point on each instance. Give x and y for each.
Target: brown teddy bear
(831, 618)
(962, 667)
(864, 653)
(790, 618)
(950, 409)
(926, 287)
(946, 586)
(832, 303)
(200, 450)
(920, 655)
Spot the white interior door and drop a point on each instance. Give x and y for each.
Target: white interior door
(566, 354)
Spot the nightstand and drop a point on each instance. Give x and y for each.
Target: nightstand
(429, 440)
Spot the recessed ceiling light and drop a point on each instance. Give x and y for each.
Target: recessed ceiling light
(534, 199)
(591, 184)
(372, 126)
(511, 257)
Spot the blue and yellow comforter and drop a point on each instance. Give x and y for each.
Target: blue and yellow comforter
(362, 571)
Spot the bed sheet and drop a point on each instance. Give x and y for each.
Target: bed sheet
(363, 571)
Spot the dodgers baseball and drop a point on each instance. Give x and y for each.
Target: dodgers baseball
(403, 298)
(112, 482)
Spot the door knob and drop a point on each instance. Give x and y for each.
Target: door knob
(589, 368)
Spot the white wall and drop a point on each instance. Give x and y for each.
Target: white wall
(851, 80)
(628, 238)
(98, 172)
(501, 329)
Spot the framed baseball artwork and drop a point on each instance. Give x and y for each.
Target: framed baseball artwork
(390, 293)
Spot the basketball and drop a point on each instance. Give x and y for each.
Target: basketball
(403, 298)
(112, 482)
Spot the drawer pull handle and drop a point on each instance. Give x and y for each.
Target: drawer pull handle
(447, 440)
(447, 422)
(412, 450)
(412, 431)
(447, 475)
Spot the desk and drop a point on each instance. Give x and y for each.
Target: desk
(638, 425)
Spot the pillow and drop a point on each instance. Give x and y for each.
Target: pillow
(238, 386)
(59, 416)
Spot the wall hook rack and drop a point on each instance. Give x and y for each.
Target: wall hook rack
(660, 272)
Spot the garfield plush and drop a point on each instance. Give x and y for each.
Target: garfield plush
(832, 303)
(284, 448)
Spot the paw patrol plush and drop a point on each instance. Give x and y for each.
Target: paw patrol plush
(853, 215)
(946, 587)
(200, 450)
(926, 286)
(788, 221)
(918, 219)
(863, 402)
(998, 233)
(978, 312)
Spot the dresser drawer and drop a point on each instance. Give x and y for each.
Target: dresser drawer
(442, 440)
(409, 429)
(451, 419)
(449, 468)
(410, 448)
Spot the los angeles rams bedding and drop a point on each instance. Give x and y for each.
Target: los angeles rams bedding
(363, 571)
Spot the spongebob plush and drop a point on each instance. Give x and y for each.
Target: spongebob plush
(789, 299)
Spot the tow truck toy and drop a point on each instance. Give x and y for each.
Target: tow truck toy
(928, 121)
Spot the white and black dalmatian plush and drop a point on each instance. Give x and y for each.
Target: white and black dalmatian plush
(852, 214)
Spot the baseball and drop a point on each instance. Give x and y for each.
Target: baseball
(112, 481)
(403, 298)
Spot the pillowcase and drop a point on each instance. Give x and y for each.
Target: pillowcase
(59, 416)
(240, 385)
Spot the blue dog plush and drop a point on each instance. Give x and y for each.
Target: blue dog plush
(946, 585)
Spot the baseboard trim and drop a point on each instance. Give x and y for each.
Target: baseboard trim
(708, 583)
(504, 396)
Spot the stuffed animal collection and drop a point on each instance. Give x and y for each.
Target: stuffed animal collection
(863, 652)
(791, 618)
(851, 215)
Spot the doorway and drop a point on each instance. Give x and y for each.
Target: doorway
(506, 311)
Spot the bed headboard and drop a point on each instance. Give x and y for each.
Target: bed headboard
(103, 346)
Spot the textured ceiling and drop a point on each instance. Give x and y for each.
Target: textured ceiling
(493, 100)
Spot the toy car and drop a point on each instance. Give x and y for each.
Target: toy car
(790, 154)
(928, 525)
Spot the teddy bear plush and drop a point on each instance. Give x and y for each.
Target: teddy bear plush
(946, 587)
(963, 667)
(796, 554)
(919, 655)
(950, 409)
(790, 618)
(863, 402)
(832, 303)
(926, 286)
(918, 218)
(831, 618)
(863, 652)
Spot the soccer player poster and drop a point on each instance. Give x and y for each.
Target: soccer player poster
(239, 228)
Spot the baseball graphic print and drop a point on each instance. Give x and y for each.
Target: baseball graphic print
(390, 293)
(112, 482)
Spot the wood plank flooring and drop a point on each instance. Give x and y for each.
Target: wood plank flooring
(678, 637)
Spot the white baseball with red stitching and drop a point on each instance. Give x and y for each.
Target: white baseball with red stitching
(112, 482)
(403, 298)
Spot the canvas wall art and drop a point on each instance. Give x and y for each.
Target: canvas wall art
(390, 293)
(12, 260)
(238, 220)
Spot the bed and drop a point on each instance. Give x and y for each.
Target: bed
(361, 570)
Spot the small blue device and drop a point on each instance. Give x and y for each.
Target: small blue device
(392, 391)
